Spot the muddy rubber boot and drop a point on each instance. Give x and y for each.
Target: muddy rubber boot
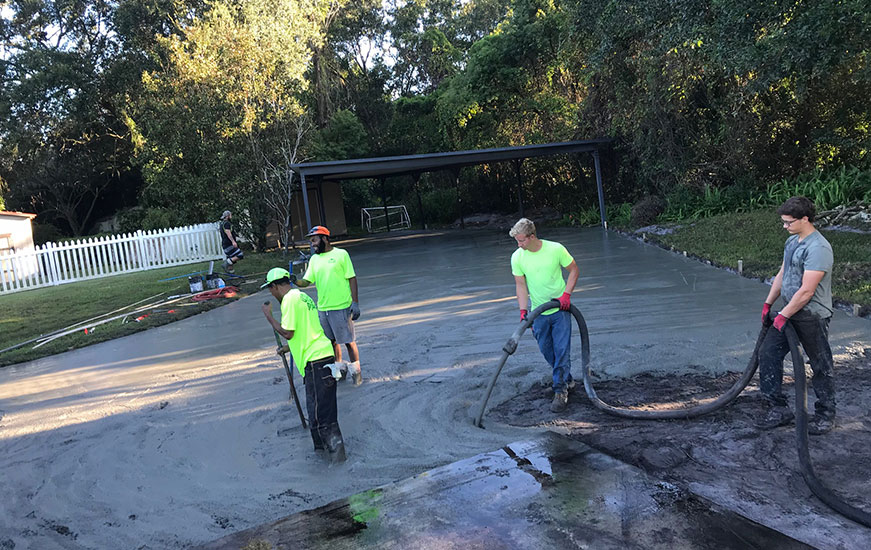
(336, 445)
(819, 425)
(356, 374)
(317, 440)
(560, 401)
(776, 417)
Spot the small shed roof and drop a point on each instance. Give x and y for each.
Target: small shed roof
(17, 214)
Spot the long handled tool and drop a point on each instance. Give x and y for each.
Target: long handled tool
(293, 395)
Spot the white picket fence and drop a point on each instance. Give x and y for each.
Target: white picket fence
(56, 264)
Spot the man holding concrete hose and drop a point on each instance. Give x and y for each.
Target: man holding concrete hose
(312, 353)
(537, 268)
(805, 284)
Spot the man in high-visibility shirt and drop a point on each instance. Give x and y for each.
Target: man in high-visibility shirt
(312, 353)
(537, 268)
(331, 271)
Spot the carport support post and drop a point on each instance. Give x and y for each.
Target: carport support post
(384, 203)
(599, 188)
(456, 173)
(517, 164)
(308, 217)
(321, 209)
(415, 176)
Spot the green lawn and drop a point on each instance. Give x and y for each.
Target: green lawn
(28, 314)
(757, 238)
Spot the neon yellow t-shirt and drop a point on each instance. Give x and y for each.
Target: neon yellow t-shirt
(330, 272)
(299, 314)
(542, 269)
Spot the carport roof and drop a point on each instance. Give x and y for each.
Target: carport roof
(410, 164)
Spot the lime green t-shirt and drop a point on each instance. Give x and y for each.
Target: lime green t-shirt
(542, 269)
(330, 272)
(299, 314)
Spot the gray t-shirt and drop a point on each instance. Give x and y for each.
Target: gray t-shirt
(814, 253)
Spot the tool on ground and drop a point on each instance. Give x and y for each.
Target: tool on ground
(223, 292)
(79, 324)
(167, 301)
(181, 276)
(826, 495)
(293, 396)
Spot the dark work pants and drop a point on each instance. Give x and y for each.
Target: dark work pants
(320, 401)
(813, 333)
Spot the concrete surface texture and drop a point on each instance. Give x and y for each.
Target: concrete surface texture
(183, 434)
(551, 492)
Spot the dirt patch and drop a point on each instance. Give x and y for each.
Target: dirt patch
(723, 456)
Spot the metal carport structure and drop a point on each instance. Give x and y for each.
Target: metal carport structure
(414, 165)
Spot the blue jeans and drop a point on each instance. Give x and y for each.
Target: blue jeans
(554, 336)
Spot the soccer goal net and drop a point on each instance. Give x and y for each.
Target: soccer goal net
(374, 219)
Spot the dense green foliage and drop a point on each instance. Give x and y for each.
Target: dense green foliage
(757, 238)
(826, 190)
(186, 107)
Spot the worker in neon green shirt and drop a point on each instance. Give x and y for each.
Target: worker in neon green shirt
(331, 271)
(312, 353)
(537, 267)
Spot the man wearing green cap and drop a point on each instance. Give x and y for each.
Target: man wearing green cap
(312, 352)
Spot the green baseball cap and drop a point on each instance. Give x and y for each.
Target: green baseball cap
(275, 274)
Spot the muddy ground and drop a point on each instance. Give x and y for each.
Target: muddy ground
(722, 456)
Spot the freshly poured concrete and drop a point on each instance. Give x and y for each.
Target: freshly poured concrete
(551, 492)
(183, 434)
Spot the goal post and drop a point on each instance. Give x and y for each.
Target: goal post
(374, 219)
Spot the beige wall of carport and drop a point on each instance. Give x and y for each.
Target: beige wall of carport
(16, 232)
(333, 208)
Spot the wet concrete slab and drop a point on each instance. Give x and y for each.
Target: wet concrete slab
(550, 492)
(200, 407)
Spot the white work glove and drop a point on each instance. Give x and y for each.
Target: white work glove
(355, 311)
(336, 370)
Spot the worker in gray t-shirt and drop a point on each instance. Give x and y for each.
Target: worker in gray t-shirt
(805, 284)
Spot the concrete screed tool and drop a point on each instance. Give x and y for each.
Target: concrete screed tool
(289, 372)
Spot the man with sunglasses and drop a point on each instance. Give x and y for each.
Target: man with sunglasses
(312, 353)
(805, 284)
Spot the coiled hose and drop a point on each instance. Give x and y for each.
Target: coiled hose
(826, 495)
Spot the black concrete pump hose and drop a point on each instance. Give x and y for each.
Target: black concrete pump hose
(821, 491)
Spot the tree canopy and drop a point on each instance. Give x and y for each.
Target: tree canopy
(187, 107)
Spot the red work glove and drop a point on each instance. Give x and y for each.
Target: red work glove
(780, 322)
(523, 314)
(565, 301)
(766, 322)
